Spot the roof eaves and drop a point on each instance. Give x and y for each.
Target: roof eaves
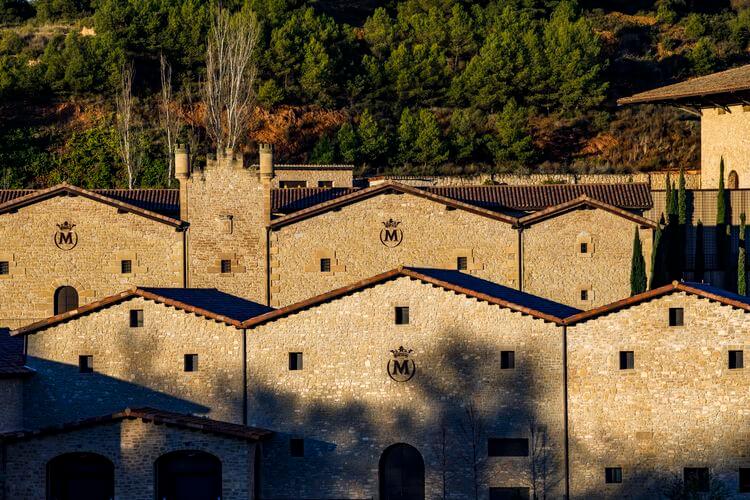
(188, 307)
(583, 200)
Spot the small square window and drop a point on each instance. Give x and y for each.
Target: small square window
(627, 360)
(226, 266)
(126, 266)
(325, 184)
(584, 294)
(613, 475)
(676, 316)
(86, 364)
(735, 360)
(4, 267)
(508, 447)
(191, 362)
(509, 493)
(462, 263)
(696, 479)
(584, 247)
(297, 447)
(402, 315)
(744, 480)
(325, 265)
(507, 360)
(295, 360)
(136, 318)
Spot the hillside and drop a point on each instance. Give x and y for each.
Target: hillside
(414, 86)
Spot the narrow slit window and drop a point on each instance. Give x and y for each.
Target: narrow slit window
(509, 493)
(736, 360)
(507, 360)
(462, 263)
(584, 247)
(325, 184)
(191, 362)
(295, 360)
(297, 447)
(325, 265)
(136, 318)
(676, 316)
(508, 447)
(4, 267)
(86, 363)
(226, 266)
(402, 315)
(584, 294)
(126, 266)
(627, 360)
(613, 475)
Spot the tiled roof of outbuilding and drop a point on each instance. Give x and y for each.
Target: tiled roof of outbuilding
(11, 356)
(149, 415)
(286, 201)
(724, 82)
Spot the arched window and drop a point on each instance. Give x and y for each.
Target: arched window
(66, 299)
(188, 475)
(401, 473)
(733, 181)
(80, 476)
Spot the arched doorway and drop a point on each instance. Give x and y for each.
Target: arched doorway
(401, 473)
(66, 299)
(188, 475)
(733, 181)
(80, 476)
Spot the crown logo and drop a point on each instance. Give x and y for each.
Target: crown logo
(391, 224)
(66, 226)
(401, 352)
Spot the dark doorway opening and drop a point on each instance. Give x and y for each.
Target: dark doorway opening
(401, 473)
(80, 476)
(188, 475)
(66, 299)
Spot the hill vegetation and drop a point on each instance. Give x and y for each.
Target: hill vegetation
(408, 87)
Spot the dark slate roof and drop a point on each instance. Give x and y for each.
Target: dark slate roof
(148, 415)
(710, 289)
(11, 355)
(212, 300)
(470, 282)
(162, 201)
(724, 82)
(633, 196)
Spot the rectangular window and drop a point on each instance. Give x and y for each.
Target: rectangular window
(295, 360)
(402, 315)
(613, 475)
(325, 184)
(735, 360)
(676, 316)
(508, 447)
(462, 263)
(86, 364)
(744, 480)
(325, 265)
(292, 184)
(584, 295)
(507, 360)
(627, 360)
(4, 267)
(126, 266)
(226, 266)
(297, 447)
(136, 318)
(504, 493)
(696, 479)
(584, 248)
(191, 362)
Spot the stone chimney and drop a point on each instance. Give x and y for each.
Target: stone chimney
(266, 162)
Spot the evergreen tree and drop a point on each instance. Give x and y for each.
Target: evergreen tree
(742, 259)
(682, 222)
(373, 142)
(407, 136)
(721, 221)
(429, 146)
(657, 269)
(637, 267)
(668, 197)
(347, 139)
(324, 152)
(682, 199)
(699, 255)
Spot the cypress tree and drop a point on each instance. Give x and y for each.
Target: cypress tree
(742, 259)
(682, 224)
(681, 199)
(655, 279)
(699, 257)
(637, 267)
(668, 196)
(721, 222)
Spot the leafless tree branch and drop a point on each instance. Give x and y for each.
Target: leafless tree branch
(127, 134)
(168, 118)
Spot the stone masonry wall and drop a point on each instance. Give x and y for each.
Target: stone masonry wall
(134, 366)
(555, 268)
(725, 135)
(433, 236)
(11, 408)
(225, 208)
(348, 410)
(133, 447)
(680, 407)
(105, 237)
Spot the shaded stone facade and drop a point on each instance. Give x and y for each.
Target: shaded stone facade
(723, 132)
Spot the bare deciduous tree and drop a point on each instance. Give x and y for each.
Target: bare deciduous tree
(128, 136)
(541, 461)
(228, 90)
(472, 429)
(168, 118)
